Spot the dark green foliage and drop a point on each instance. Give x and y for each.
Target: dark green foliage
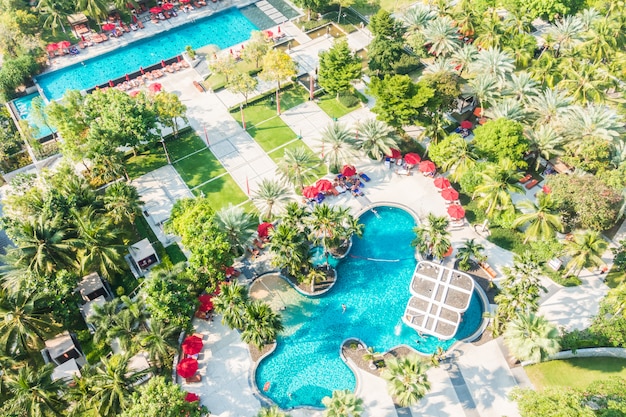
(338, 67)
(387, 47)
(500, 139)
(15, 72)
(406, 64)
(398, 99)
(349, 100)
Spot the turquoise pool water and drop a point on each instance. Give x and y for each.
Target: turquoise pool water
(223, 29)
(22, 106)
(319, 259)
(306, 365)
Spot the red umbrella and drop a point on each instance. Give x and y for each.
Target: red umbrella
(456, 212)
(192, 345)
(208, 306)
(427, 166)
(142, 70)
(230, 271)
(127, 77)
(466, 124)
(155, 88)
(168, 6)
(64, 44)
(450, 194)
(178, 58)
(412, 158)
(264, 229)
(324, 185)
(394, 153)
(52, 47)
(205, 298)
(162, 61)
(133, 93)
(187, 367)
(108, 26)
(269, 33)
(185, 1)
(442, 182)
(191, 397)
(156, 10)
(310, 192)
(111, 83)
(348, 170)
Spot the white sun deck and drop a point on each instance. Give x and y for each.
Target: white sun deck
(440, 296)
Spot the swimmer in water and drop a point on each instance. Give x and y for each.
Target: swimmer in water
(343, 308)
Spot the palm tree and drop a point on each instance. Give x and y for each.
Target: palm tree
(567, 33)
(290, 249)
(406, 380)
(546, 70)
(160, 341)
(270, 195)
(33, 393)
(493, 63)
(543, 218)
(314, 276)
(461, 160)
(531, 337)
(231, 303)
(122, 202)
(521, 86)
(593, 121)
(418, 16)
(239, 227)
(45, 245)
(442, 36)
(325, 224)
(297, 166)
(124, 329)
(549, 106)
(545, 142)
(441, 65)
(509, 108)
(261, 324)
(113, 384)
(54, 14)
(485, 88)
(96, 9)
(375, 138)
(470, 249)
(342, 404)
(103, 318)
(24, 323)
(601, 43)
(585, 249)
(272, 411)
(497, 182)
(432, 236)
(583, 80)
(99, 249)
(521, 47)
(464, 57)
(337, 146)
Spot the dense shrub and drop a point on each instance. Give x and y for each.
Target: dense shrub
(406, 64)
(349, 100)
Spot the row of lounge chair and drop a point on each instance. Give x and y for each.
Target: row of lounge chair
(528, 181)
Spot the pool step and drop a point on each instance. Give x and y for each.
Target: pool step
(271, 11)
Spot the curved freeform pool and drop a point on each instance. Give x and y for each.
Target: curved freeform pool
(373, 283)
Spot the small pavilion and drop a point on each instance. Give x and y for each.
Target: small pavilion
(143, 256)
(440, 296)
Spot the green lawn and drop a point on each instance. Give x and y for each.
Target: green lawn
(271, 133)
(175, 253)
(265, 108)
(277, 155)
(199, 168)
(186, 144)
(575, 373)
(333, 107)
(221, 192)
(146, 161)
(370, 7)
(615, 277)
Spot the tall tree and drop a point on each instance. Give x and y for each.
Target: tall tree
(122, 203)
(270, 195)
(338, 68)
(161, 398)
(387, 46)
(543, 218)
(290, 249)
(470, 249)
(261, 324)
(441, 34)
(342, 404)
(277, 67)
(256, 48)
(160, 340)
(297, 166)
(531, 337)
(586, 250)
(455, 155)
(406, 380)
(231, 303)
(337, 146)
(375, 138)
(502, 139)
(242, 83)
(239, 227)
(32, 393)
(169, 110)
(398, 99)
(494, 192)
(432, 236)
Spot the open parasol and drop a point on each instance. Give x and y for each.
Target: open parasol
(466, 124)
(191, 397)
(156, 10)
(52, 47)
(450, 194)
(64, 44)
(192, 345)
(264, 229)
(348, 170)
(310, 192)
(324, 185)
(394, 153)
(187, 367)
(456, 212)
(167, 6)
(412, 158)
(108, 26)
(442, 182)
(155, 88)
(427, 166)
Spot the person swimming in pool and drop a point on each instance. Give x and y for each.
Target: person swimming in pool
(343, 308)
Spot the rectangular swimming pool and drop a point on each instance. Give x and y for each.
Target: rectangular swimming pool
(224, 29)
(23, 107)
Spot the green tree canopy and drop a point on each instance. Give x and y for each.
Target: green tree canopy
(500, 139)
(161, 398)
(398, 99)
(338, 67)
